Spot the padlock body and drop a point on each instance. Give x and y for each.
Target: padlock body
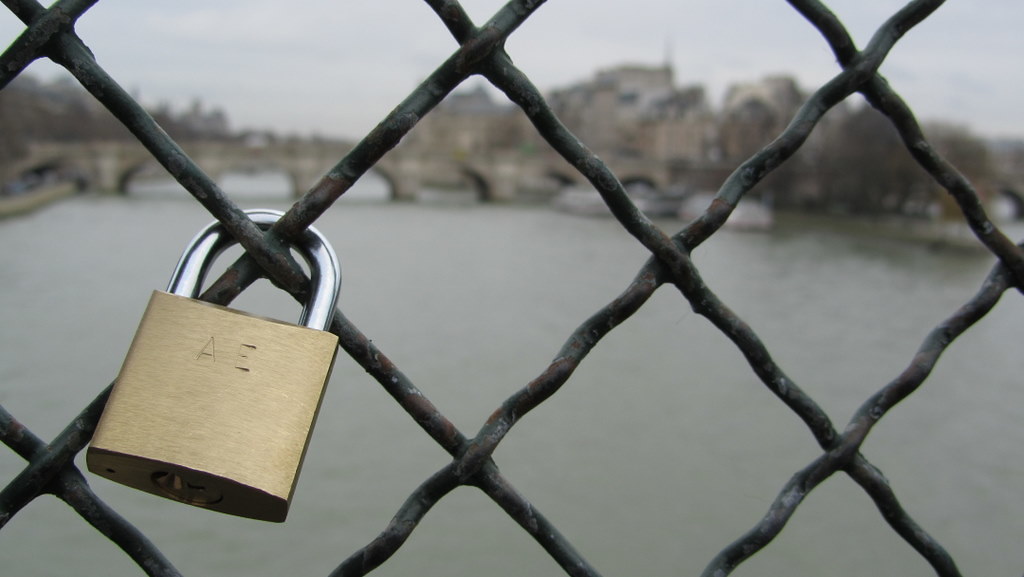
(214, 407)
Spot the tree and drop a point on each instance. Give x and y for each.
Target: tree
(969, 154)
(864, 168)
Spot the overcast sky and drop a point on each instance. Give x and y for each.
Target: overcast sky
(337, 67)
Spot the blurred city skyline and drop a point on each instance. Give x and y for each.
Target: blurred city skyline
(336, 69)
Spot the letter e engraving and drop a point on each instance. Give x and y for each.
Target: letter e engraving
(242, 360)
(208, 350)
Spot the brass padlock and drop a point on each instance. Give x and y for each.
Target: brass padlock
(214, 407)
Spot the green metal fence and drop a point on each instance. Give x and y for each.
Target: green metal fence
(50, 33)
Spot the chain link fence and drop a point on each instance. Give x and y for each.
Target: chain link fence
(50, 33)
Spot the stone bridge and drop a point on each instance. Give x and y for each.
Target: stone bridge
(499, 176)
(110, 166)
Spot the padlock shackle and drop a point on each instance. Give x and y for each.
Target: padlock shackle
(209, 243)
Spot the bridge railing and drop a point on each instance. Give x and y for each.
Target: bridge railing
(50, 469)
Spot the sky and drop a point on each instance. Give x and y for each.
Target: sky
(335, 68)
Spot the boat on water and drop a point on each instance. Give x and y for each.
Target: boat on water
(659, 203)
(751, 214)
(584, 200)
(580, 200)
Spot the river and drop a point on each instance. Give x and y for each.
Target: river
(662, 449)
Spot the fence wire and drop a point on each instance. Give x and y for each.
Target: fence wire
(50, 33)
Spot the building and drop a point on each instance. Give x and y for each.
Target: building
(606, 112)
(754, 113)
(471, 121)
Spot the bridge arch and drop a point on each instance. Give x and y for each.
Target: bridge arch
(563, 179)
(263, 178)
(133, 170)
(390, 182)
(1014, 199)
(639, 182)
(480, 183)
(40, 171)
(254, 170)
(457, 178)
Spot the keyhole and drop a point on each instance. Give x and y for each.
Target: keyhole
(180, 488)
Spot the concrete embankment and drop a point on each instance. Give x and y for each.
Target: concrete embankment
(32, 200)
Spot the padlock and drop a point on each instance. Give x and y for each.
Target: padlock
(213, 406)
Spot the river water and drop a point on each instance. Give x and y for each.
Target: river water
(661, 450)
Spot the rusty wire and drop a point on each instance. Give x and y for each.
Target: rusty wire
(50, 470)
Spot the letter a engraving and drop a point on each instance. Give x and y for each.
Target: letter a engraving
(209, 350)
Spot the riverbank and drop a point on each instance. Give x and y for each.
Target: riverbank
(952, 234)
(34, 199)
(935, 234)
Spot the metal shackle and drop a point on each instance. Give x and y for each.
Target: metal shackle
(209, 243)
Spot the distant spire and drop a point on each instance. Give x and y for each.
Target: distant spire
(668, 57)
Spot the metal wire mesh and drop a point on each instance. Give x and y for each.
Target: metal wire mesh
(50, 34)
